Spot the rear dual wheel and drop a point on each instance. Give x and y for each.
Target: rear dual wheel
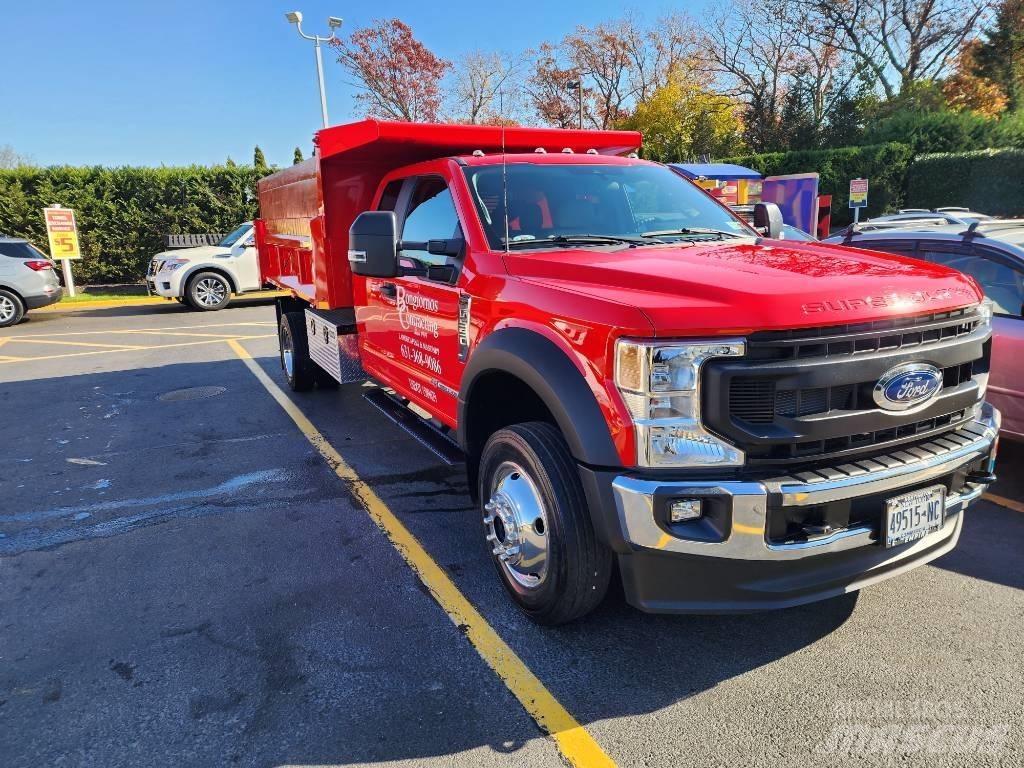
(537, 525)
(299, 369)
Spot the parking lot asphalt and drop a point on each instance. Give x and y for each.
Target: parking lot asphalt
(185, 581)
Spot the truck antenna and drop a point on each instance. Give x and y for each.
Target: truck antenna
(504, 183)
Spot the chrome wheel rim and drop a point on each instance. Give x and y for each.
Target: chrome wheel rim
(287, 355)
(7, 309)
(517, 526)
(210, 291)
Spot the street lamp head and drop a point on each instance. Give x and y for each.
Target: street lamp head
(334, 22)
(572, 85)
(294, 17)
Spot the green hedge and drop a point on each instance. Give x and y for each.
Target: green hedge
(989, 180)
(884, 165)
(945, 131)
(123, 213)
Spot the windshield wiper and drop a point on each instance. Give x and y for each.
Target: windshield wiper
(581, 240)
(684, 231)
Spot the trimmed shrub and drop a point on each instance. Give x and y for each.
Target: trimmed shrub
(884, 165)
(989, 180)
(123, 213)
(946, 131)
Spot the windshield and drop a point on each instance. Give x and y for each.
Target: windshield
(235, 236)
(557, 205)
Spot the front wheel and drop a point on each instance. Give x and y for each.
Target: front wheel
(537, 525)
(208, 291)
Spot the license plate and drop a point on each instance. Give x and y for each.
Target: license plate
(914, 515)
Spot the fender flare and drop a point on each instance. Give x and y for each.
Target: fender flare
(192, 271)
(540, 364)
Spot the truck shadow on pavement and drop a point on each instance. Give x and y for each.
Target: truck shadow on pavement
(260, 618)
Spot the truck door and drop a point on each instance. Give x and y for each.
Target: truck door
(411, 322)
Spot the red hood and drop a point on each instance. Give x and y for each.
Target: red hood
(732, 289)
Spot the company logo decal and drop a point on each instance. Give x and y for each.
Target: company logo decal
(409, 307)
(907, 386)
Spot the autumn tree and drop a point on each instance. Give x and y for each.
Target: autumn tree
(968, 89)
(483, 91)
(999, 57)
(548, 89)
(684, 120)
(398, 77)
(900, 42)
(751, 48)
(619, 64)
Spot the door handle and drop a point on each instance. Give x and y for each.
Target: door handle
(389, 290)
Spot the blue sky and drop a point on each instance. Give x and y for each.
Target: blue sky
(148, 83)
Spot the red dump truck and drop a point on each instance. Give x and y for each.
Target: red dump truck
(630, 373)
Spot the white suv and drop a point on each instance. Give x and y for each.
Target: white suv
(27, 280)
(206, 276)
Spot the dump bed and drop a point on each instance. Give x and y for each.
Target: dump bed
(306, 210)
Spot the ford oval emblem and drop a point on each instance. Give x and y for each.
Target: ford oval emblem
(908, 386)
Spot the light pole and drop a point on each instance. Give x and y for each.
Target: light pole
(577, 85)
(334, 22)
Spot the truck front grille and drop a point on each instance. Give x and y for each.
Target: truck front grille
(804, 395)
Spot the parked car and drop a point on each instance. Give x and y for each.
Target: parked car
(204, 277)
(992, 252)
(925, 217)
(27, 280)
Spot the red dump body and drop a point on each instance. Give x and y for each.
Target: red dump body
(306, 210)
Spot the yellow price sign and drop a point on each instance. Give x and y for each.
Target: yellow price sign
(63, 233)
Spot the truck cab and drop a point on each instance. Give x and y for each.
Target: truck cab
(631, 373)
(205, 277)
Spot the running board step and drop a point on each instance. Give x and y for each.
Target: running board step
(420, 429)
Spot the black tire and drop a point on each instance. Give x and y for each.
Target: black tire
(578, 565)
(208, 291)
(12, 308)
(299, 369)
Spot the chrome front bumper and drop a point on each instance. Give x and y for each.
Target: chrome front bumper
(747, 539)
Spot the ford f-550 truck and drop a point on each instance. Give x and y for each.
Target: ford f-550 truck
(631, 374)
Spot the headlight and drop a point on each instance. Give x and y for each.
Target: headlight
(660, 385)
(985, 312)
(172, 264)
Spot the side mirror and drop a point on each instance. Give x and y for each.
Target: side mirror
(768, 220)
(373, 244)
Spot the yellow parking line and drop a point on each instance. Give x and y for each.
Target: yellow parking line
(76, 343)
(4, 340)
(1002, 501)
(221, 336)
(73, 306)
(578, 746)
(112, 331)
(135, 349)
